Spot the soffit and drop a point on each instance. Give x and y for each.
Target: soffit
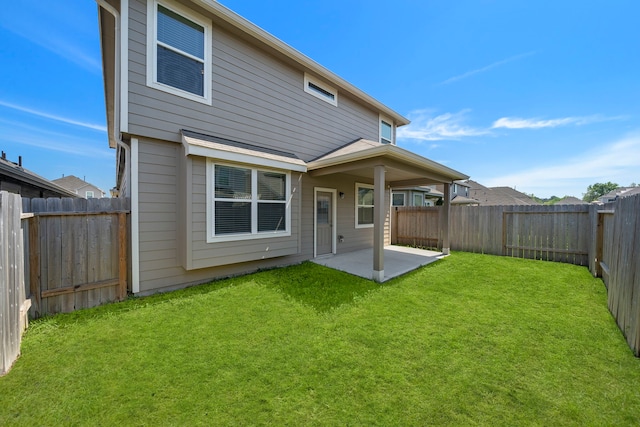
(403, 168)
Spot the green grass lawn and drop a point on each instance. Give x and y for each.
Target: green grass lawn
(469, 340)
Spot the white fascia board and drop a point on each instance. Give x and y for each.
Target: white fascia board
(393, 152)
(245, 156)
(258, 33)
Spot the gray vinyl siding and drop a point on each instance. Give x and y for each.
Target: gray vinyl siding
(161, 231)
(205, 254)
(354, 238)
(256, 99)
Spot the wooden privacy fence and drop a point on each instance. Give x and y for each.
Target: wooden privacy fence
(617, 261)
(77, 253)
(604, 238)
(13, 304)
(552, 233)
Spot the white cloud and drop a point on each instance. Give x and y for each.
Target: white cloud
(535, 123)
(93, 126)
(486, 68)
(617, 161)
(425, 127)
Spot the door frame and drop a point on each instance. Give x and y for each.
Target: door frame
(334, 217)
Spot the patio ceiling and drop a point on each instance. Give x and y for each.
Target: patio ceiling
(402, 167)
(387, 165)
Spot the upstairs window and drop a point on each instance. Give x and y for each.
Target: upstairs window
(88, 195)
(386, 131)
(320, 90)
(179, 52)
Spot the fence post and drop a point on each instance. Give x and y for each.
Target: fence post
(122, 256)
(599, 244)
(34, 264)
(446, 211)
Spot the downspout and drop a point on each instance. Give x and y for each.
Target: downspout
(117, 98)
(116, 74)
(117, 89)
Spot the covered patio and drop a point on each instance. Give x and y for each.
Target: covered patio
(388, 166)
(398, 259)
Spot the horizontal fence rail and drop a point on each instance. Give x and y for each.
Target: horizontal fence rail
(604, 238)
(77, 253)
(550, 233)
(618, 263)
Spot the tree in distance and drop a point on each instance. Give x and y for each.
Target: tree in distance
(598, 189)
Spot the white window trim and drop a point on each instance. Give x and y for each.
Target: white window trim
(393, 129)
(421, 199)
(359, 184)
(404, 198)
(334, 213)
(152, 43)
(211, 238)
(86, 194)
(310, 79)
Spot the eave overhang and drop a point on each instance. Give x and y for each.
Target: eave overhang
(308, 64)
(198, 144)
(404, 167)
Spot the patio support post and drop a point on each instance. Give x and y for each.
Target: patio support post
(379, 211)
(446, 208)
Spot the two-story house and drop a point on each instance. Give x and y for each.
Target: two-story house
(82, 188)
(416, 196)
(239, 152)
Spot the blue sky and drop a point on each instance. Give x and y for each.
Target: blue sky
(543, 96)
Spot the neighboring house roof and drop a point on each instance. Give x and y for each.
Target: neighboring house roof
(402, 166)
(78, 186)
(461, 200)
(423, 188)
(493, 196)
(21, 176)
(619, 192)
(462, 183)
(435, 192)
(570, 200)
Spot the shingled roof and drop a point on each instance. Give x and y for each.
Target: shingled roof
(495, 196)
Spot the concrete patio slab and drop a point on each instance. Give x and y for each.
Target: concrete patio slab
(398, 260)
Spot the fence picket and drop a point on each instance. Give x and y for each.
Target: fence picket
(13, 302)
(78, 263)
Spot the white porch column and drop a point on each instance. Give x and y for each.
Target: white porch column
(444, 223)
(379, 212)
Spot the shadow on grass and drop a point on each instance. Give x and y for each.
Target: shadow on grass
(133, 303)
(316, 286)
(313, 285)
